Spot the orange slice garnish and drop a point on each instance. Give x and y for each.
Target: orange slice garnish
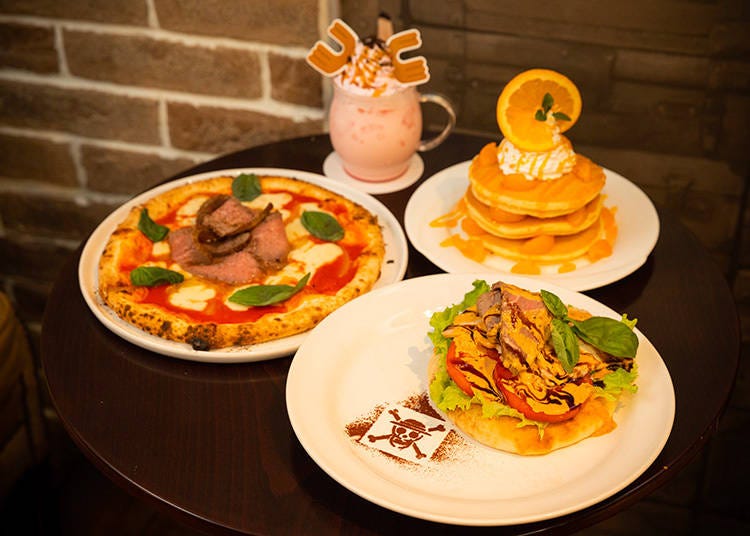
(534, 106)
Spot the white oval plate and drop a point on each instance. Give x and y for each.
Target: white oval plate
(393, 269)
(380, 358)
(637, 223)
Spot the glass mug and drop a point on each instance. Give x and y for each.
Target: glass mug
(376, 137)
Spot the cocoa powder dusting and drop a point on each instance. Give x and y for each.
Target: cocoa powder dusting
(358, 428)
(420, 403)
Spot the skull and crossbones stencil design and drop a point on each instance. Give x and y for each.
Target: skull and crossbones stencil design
(406, 434)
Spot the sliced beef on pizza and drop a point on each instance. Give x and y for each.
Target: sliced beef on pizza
(230, 242)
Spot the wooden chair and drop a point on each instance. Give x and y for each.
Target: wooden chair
(22, 437)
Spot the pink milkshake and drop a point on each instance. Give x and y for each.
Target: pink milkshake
(375, 136)
(375, 118)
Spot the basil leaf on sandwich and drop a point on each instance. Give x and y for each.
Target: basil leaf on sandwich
(565, 344)
(616, 337)
(611, 336)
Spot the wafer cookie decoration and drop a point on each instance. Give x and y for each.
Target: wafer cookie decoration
(327, 61)
(412, 71)
(374, 63)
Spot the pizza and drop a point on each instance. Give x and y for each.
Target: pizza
(234, 261)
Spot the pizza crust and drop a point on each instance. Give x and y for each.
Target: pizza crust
(503, 433)
(127, 245)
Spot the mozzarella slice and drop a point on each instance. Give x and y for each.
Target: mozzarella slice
(303, 260)
(160, 249)
(295, 230)
(192, 297)
(313, 256)
(278, 200)
(235, 306)
(186, 213)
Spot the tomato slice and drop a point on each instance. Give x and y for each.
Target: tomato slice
(500, 372)
(519, 404)
(452, 362)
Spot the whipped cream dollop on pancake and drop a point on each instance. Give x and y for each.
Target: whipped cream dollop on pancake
(547, 165)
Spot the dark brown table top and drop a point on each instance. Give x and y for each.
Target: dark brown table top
(212, 444)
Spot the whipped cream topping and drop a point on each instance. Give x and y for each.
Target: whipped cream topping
(369, 71)
(547, 165)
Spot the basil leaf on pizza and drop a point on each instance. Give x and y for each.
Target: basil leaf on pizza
(152, 276)
(322, 225)
(152, 230)
(246, 187)
(260, 295)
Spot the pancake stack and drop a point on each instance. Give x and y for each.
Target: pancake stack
(538, 206)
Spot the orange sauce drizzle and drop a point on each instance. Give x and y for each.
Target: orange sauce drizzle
(471, 228)
(566, 267)
(603, 247)
(450, 219)
(471, 248)
(526, 268)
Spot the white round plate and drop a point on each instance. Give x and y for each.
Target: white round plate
(380, 359)
(393, 269)
(637, 225)
(333, 169)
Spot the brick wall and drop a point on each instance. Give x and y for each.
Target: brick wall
(101, 99)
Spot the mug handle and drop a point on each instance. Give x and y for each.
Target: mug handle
(443, 102)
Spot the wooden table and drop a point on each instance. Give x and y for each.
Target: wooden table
(212, 444)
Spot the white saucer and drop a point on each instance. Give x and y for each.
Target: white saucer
(333, 169)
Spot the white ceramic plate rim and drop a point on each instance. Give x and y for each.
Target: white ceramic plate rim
(396, 250)
(325, 392)
(637, 221)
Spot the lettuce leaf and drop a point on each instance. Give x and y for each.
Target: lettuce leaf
(618, 381)
(445, 393)
(442, 319)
